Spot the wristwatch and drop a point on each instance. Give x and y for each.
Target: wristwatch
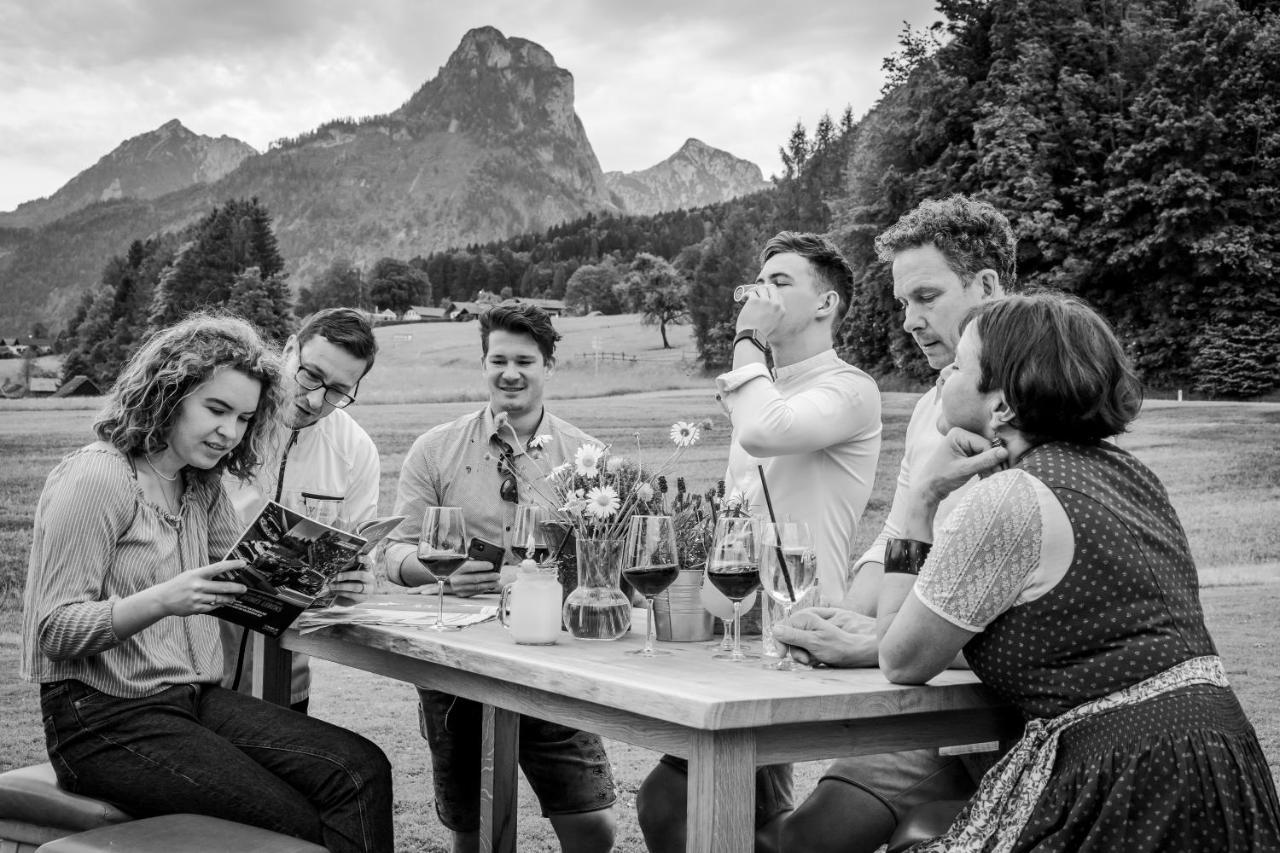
(750, 335)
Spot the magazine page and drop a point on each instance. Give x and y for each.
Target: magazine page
(289, 560)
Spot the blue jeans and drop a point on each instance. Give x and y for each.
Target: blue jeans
(200, 749)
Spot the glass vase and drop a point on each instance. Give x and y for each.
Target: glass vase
(597, 608)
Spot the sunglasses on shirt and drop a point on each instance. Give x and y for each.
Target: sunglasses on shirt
(508, 489)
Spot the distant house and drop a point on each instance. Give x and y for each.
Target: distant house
(426, 314)
(463, 311)
(42, 346)
(79, 386)
(554, 307)
(42, 386)
(386, 315)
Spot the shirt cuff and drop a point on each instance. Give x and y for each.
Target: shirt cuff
(727, 383)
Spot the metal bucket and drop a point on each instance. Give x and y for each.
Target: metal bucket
(678, 613)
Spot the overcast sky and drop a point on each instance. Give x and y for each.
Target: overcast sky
(78, 77)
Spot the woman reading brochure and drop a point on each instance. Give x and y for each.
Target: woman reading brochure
(129, 537)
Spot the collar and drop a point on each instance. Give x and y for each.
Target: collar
(507, 436)
(811, 364)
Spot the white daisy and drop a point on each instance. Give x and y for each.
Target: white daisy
(614, 464)
(602, 502)
(539, 441)
(644, 493)
(587, 460)
(684, 433)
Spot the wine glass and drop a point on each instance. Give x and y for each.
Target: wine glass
(788, 572)
(733, 568)
(650, 564)
(441, 550)
(529, 526)
(714, 602)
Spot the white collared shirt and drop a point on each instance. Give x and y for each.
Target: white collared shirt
(816, 430)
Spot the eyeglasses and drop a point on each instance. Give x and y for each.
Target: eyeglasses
(508, 489)
(310, 382)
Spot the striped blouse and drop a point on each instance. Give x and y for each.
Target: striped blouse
(98, 540)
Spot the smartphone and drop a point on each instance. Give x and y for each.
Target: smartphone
(486, 552)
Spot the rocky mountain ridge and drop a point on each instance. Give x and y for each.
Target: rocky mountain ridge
(146, 166)
(489, 148)
(695, 175)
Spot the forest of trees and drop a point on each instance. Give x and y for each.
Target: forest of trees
(227, 260)
(1134, 145)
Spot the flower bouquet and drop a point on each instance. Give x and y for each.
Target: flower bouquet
(590, 501)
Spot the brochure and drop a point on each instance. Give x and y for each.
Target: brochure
(290, 559)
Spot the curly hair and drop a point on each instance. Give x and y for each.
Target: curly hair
(826, 259)
(1063, 372)
(972, 236)
(144, 401)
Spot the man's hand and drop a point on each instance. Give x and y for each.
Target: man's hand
(831, 636)
(763, 311)
(473, 578)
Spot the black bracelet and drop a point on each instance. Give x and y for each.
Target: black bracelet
(905, 556)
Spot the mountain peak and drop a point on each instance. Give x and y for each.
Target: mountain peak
(488, 47)
(697, 174)
(145, 166)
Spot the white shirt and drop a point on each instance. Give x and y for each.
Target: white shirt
(333, 465)
(923, 438)
(816, 430)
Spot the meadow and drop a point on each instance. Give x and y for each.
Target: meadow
(1220, 462)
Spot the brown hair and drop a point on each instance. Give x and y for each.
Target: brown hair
(343, 327)
(1060, 366)
(971, 235)
(520, 318)
(143, 404)
(827, 260)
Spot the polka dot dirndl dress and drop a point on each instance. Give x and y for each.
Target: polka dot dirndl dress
(1181, 772)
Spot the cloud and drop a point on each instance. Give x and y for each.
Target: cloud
(78, 78)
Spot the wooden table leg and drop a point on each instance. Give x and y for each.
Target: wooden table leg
(272, 670)
(722, 792)
(499, 756)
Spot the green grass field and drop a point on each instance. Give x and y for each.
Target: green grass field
(1221, 463)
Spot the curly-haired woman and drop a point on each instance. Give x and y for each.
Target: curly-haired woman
(128, 543)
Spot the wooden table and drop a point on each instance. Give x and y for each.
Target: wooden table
(724, 718)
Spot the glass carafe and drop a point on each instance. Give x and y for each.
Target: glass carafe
(597, 608)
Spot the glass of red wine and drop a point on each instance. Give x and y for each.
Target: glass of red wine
(733, 568)
(442, 549)
(650, 564)
(529, 524)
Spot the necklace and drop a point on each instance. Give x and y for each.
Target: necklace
(156, 470)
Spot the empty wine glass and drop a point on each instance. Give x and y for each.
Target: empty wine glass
(734, 569)
(441, 550)
(788, 572)
(529, 526)
(650, 564)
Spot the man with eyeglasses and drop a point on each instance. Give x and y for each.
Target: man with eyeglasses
(321, 463)
(481, 462)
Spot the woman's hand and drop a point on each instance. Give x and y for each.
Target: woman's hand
(195, 591)
(962, 456)
(354, 585)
